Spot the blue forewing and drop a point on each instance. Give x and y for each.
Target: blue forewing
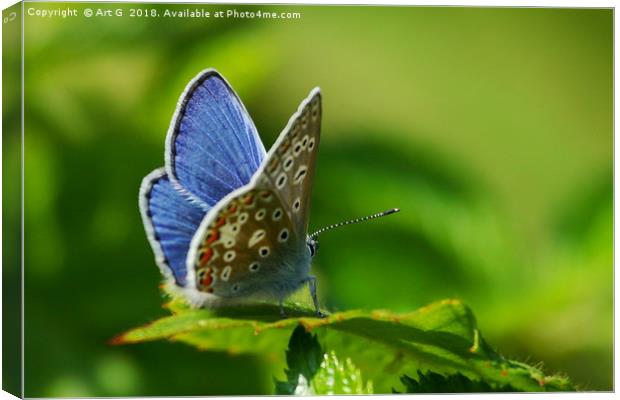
(212, 148)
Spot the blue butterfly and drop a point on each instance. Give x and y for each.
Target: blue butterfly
(226, 220)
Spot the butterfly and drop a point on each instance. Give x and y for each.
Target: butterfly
(226, 220)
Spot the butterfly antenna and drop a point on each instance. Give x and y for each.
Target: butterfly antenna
(354, 221)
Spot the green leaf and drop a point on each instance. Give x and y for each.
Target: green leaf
(432, 382)
(313, 372)
(442, 337)
(339, 377)
(304, 356)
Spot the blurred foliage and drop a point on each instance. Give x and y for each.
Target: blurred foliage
(442, 336)
(491, 128)
(11, 203)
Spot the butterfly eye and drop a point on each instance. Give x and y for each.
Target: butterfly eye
(235, 287)
(313, 246)
(243, 217)
(254, 266)
(296, 205)
(311, 144)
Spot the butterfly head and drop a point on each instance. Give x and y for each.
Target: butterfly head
(313, 245)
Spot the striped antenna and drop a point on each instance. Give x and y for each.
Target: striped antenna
(354, 221)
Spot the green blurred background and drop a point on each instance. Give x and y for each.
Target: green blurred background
(490, 128)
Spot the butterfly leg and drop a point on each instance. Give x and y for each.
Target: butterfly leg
(312, 285)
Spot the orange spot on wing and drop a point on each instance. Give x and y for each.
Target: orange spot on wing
(220, 221)
(208, 279)
(206, 256)
(285, 147)
(273, 165)
(213, 236)
(248, 199)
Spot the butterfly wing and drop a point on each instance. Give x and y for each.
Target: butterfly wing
(291, 162)
(170, 221)
(212, 146)
(246, 246)
(255, 239)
